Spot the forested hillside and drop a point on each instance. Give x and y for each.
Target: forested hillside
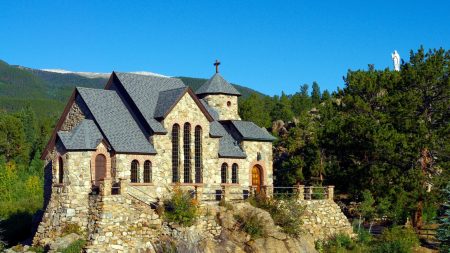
(383, 139)
(47, 92)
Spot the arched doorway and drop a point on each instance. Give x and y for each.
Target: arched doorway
(257, 178)
(100, 168)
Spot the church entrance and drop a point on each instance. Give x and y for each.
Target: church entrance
(256, 178)
(100, 169)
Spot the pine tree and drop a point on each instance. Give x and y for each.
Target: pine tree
(443, 232)
(315, 93)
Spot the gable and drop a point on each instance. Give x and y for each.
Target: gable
(188, 103)
(189, 107)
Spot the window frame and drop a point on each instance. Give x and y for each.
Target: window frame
(187, 177)
(235, 173)
(134, 167)
(198, 158)
(224, 173)
(147, 173)
(175, 153)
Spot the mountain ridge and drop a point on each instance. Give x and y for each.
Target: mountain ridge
(47, 90)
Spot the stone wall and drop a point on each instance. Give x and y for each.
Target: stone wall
(78, 111)
(324, 218)
(69, 201)
(225, 105)
(118, 224)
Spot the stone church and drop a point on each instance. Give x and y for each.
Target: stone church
(143, 135)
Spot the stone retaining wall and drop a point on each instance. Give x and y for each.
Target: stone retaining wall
(324, 218)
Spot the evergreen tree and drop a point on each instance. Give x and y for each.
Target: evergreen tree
(325, 95)
(282, 109)
(301, 101)
(443, 232)
(12, 138)
(255, 109)
(315, 94)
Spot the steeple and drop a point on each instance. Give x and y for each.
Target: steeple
(220, 95)
(217, 85)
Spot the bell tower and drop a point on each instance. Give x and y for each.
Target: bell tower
(220, 95)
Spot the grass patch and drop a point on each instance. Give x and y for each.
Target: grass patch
(393, 240)
(75, 247)
(251, 224)
(285, 212)
(71, 228)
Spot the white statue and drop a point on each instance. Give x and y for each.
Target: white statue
(396, 59)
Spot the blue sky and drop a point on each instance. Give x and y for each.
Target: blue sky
(269, 46)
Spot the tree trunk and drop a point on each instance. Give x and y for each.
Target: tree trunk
(418, 214)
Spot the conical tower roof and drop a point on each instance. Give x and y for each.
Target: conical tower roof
(217, 85)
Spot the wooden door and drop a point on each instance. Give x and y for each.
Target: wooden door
(256, 178)
(100, 168)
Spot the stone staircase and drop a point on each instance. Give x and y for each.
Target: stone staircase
(141, 196)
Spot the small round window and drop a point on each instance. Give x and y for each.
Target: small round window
(229, 103)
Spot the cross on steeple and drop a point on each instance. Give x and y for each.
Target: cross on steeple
(217, 63)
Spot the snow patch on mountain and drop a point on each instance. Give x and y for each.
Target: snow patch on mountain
(99, 75)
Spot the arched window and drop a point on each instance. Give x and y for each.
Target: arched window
(198, 154)
(147, 171)
(234, 173)
(175, 153)
(134, 171)
(224, 173)
(187, 152)
(60, 170)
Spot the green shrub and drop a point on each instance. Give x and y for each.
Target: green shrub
(71, 228)
(37, 249)
(318, 193)
(75, 247)
(339, 242)
(396, 240)
(181, 208)
(364, 237)
(251, 224)
(286, 212)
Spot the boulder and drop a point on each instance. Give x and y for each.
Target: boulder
(64, 241)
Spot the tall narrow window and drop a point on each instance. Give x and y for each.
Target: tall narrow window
(224, 173)
(60, 170)
(187, 152)
(147, 172)
(175, 153)
(198, 154)
(134, 171)
(234, 173)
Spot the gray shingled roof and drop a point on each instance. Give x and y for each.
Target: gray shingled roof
(116, 121)
(250, 131)
(216, 129)
(229, 147)
(144, 91)
(85, 136)
(217, 85)
(167, 100)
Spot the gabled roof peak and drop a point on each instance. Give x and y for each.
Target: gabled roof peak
(217, 85)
